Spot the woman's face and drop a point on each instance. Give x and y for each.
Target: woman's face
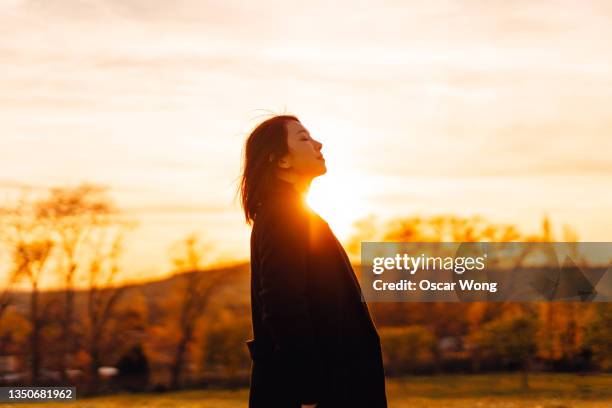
(304, 156)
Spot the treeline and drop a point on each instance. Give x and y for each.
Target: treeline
(189, 330)
(473, 337)
(106, 335)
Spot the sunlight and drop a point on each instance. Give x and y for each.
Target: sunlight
(336, 197)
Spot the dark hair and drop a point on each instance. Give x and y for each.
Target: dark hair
(267, 140)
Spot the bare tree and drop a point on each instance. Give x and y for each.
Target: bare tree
(70, 230)
(6, 295)
(12, 275)
(103, 293)
(73, 215)
(31, 250)
(197, 287)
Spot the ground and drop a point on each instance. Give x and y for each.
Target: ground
(448, 391)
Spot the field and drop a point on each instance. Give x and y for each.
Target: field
(497, 390)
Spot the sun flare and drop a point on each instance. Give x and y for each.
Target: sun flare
(338, 201)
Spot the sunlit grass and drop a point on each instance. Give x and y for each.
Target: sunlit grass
(496, 390)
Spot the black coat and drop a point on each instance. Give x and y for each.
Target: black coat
(313, 338)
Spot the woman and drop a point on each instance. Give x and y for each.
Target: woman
(314, 343)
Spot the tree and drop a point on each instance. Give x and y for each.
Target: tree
(598, 334)
(223, 350)
(408, 348)
(448, 228)
(73, 215)
(6, 297)
(512, 339)
(102, 295)
(31, 250)
(195, 287)
(12, 274)
(65, 232)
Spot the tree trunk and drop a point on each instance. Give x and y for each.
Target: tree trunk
(524, 375)
(66, 334)
(178, 362)
(34, 337)
(94, 365)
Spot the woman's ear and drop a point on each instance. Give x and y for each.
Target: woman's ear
(283, 163)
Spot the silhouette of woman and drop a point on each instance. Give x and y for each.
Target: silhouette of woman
(314, 343)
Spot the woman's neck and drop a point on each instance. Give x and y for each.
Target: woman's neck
(301, 184)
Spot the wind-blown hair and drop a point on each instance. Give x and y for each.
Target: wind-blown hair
(264, 146)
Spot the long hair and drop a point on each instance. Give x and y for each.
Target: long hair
(264, 146)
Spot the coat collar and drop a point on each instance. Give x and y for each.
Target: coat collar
(284, 193)
(282, 186)
(285, 190)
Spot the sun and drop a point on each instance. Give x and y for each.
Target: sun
(337, 199)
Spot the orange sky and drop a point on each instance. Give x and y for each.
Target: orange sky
(467, 107)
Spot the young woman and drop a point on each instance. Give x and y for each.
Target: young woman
(314, 343)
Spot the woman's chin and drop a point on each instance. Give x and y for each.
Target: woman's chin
(318, 170)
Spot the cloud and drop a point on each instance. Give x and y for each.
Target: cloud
(16, 184)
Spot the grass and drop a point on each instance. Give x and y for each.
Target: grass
(448, 391)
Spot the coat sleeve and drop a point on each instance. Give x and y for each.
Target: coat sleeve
(283, 275)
